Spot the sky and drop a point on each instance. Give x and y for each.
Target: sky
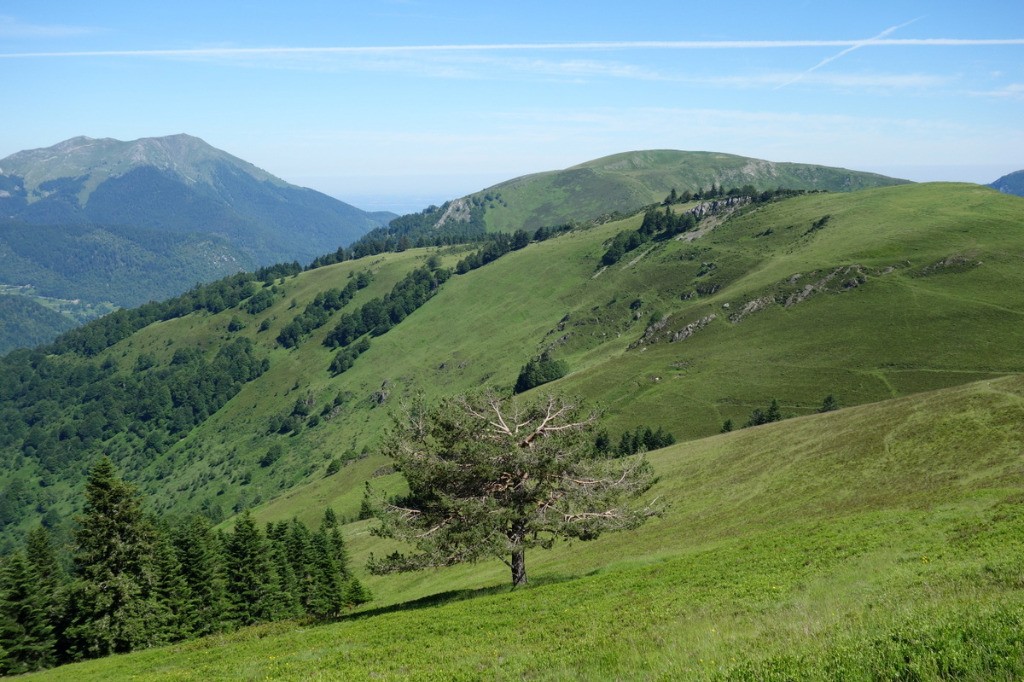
(396, 104)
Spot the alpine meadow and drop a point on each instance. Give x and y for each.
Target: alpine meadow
(720, 418)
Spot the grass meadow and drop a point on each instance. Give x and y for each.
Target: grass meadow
(884, 541)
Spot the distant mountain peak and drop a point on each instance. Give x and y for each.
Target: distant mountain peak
(180, 186)
(1011, 183)
(95, 160)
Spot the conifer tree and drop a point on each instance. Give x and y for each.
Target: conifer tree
(285, 597)
(355, 593)
(42, 557)
(490, 476)
(297, 547)
(26, 636)
(326, 599)
(170, 592)
(110, 599)
(250, 579)
(199, 555)
(331, 530)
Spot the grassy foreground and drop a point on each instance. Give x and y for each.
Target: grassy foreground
(884, 541)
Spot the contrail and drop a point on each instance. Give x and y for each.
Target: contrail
(850, 45)
(870, 41)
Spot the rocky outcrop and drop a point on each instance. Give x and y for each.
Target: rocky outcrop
(752, 307)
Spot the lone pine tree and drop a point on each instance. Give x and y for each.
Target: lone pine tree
(493, 477)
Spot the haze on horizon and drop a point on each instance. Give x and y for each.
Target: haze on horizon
(395, 104)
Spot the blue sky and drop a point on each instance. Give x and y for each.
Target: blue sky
(399, 103)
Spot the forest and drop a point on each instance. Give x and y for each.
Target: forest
(132, 580)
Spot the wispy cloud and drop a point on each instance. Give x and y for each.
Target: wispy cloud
(523, 47)
(860, 81)
(859, 45)
(13, 28)
(1012, 91)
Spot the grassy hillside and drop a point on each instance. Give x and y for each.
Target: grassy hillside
(900, 290)
(626, 182)
(884, 541)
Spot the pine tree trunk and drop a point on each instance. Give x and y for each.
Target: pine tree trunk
(518, 567)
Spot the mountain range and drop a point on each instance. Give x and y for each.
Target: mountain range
(91, 224)
(105, 221)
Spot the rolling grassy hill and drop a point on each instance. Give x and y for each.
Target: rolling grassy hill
(901, 290)
(884, 541)
(628, 181)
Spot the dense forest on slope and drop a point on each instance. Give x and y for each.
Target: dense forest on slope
(23, 322)
(127, 266)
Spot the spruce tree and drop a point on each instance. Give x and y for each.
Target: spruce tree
(326, 598)
(110, 600)
(26, 636)
(42, 557)
(297, 547)
(170, 592)
(250, 579)
(353, 593)
(285, 602)
(199, 554)
(329, 527)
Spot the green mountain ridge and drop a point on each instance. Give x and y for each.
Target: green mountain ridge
(607, 188)
(867, 540)
(628, 181)
(907, 282)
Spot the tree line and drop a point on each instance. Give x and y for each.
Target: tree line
(661, 222)
(318, 311)
(640, 439)
(377, 316)
(136, 581)
(773, 413)
(59, 412)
